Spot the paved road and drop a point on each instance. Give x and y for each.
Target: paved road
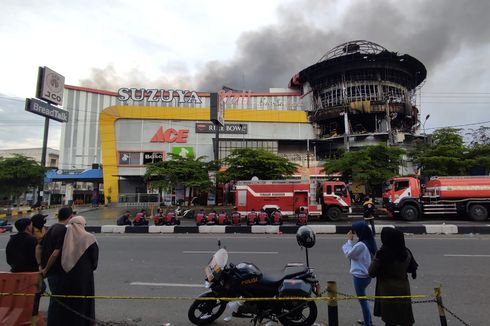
(171, 265)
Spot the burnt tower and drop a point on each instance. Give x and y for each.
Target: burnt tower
(360, 93)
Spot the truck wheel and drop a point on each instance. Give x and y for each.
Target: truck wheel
(409, 213)
(478, 212)
(334, 213)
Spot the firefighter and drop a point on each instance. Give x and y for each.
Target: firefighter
(201, 217)
(158, 217)
(263, 218)
(302, 217)
(252, 217)
(369, 212)
(276, 217)
(223, 218)
(140, 218)
(235, 217)
(211, 218)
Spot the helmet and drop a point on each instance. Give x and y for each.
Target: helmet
(305, 236)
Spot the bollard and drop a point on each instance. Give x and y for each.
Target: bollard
(333, 312)
(442, 315)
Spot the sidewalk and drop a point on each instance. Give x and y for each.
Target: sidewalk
(103, 219)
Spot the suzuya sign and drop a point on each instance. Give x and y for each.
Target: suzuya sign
(170, 135)
(158, 95)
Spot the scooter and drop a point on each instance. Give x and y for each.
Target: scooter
(246, 280)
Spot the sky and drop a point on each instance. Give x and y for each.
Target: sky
(253, 45)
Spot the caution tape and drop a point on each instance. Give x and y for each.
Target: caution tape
(122, 297)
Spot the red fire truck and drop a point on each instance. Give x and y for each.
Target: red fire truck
(404, 197)
(326, 199)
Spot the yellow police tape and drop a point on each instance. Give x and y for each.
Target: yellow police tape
(122, 297)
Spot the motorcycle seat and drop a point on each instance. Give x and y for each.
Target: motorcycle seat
(287, 273)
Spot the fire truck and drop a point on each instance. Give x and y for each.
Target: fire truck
(469, 196)
(327, 199)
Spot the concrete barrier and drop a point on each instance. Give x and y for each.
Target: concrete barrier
(212, 229)
(319, 229)
(265, 228)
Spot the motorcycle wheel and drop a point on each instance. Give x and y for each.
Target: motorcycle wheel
(204, 312)
(301, 313)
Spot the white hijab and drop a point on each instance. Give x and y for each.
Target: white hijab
(76, 242)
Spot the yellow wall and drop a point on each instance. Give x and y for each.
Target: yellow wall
(109, 116)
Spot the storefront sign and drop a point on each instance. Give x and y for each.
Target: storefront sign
(46, 110)
(183, 151)
(50, 86)
(170, 136)
(158, 95)
(152, 157)
(229, 128)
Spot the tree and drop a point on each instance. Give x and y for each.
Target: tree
(370, 165)
(478, 153)
(444, 156)
(190, 172)
(245, 163)
(18, 174)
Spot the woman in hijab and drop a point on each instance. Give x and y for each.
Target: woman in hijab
(390, 267)
(359, 255)
(79, 259)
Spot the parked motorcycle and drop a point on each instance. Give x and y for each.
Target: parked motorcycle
(245, 280)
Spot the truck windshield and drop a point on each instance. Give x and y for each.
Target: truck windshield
(340, 191)
(387, 185)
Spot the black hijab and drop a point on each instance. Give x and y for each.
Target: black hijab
(393, 246)
(393, 249)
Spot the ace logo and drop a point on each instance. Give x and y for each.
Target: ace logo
(170, 136)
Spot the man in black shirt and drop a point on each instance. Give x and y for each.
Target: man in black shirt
(21, 248)
(49, 255)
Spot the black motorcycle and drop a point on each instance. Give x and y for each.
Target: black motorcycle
(245, 280)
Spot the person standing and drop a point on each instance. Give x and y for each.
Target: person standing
(21, 248)
(359, 255)
(369, 212)
(38, 228)
(79, 259)
(48, 254)
(390, 266)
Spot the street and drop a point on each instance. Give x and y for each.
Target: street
(172, 266)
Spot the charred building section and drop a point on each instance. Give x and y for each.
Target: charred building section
(359, 93)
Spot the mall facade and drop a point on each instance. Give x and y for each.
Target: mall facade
(357, 95)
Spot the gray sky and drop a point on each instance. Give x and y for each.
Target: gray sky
(204, 45)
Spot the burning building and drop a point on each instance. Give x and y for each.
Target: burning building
(360, 93)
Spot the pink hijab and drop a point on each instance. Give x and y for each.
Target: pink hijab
(76, 242)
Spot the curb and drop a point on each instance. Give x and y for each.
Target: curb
(283, 229)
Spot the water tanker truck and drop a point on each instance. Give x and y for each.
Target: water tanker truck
(469, 196)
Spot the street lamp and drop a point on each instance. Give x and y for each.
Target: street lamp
(423, 125)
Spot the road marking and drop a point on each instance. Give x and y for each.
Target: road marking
(235, 252)
(450, 255)
(180, 285)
